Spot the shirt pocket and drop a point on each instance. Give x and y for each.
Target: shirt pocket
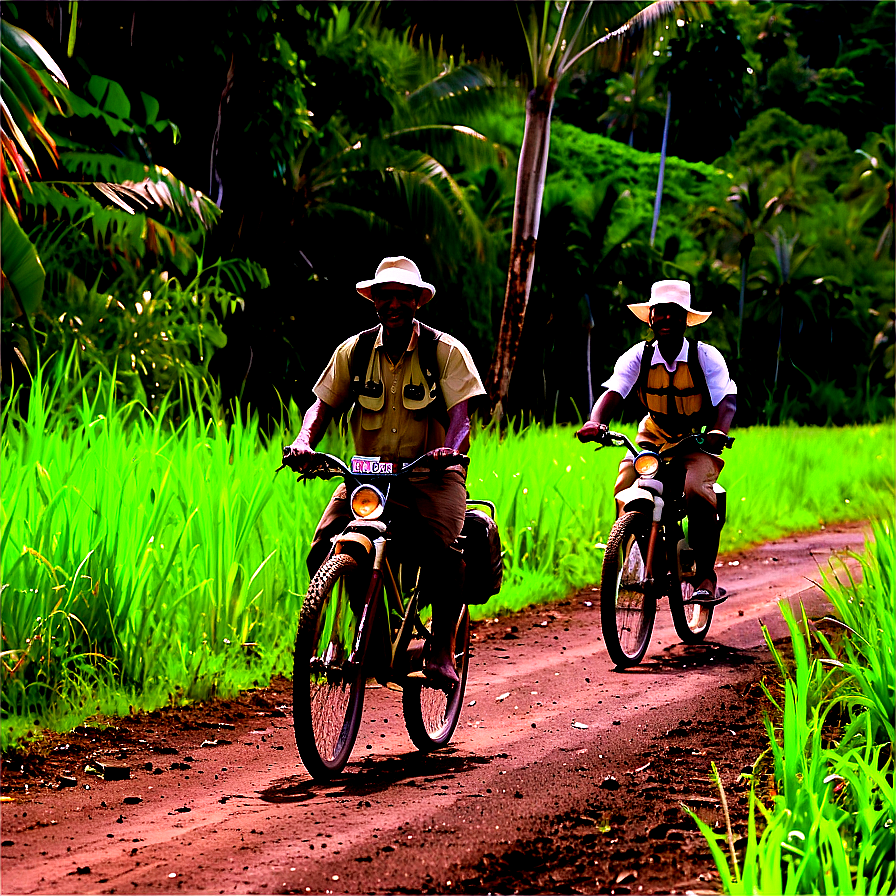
(371, 420)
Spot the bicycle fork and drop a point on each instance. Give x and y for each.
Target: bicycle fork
(653, 540)
(365, 624)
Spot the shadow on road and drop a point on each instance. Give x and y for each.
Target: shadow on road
(375, 774)
(676, 657)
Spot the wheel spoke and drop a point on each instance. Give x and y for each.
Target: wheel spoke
(431, 714)
(692, 621)
(630, 615)
(329, 705)
(327, 688)
(628, 605)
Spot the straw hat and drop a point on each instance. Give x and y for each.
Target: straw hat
(670, 292)
(397, 269)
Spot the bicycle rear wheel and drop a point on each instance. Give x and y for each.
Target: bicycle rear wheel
(691, 621)
(627, 602)
(328, 694)
(431, 715)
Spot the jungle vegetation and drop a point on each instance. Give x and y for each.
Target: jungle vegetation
(194, 211)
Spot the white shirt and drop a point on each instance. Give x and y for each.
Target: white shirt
(718, 381)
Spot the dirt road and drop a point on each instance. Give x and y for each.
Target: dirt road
(563, 776)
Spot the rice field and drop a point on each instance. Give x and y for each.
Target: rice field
(826, 825)
(144, 562)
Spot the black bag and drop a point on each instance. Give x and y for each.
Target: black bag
(483, 557)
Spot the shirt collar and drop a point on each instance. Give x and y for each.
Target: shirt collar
(659, 359)
(412, 344)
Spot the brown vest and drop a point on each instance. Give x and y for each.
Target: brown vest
(678, 402)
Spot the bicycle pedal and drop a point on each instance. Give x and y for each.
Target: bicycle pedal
(721, 597)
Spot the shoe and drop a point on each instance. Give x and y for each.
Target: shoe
(442, 677)
(707, 598)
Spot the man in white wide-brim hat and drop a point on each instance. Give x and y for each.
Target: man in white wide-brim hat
(409, 388)
(685, 387)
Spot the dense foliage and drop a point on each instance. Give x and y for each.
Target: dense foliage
(342, 133)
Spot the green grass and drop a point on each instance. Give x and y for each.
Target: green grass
(829, 827)
(144, 563)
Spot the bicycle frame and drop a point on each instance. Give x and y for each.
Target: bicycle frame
(370, 537)
(650, 491)
(647, 557)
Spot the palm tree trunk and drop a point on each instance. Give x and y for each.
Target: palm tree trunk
(746, 248)
(526, 216)
(589, 327)
(659, 180)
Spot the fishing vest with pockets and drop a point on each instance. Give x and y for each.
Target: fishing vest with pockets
(425, 397)
(679, 402)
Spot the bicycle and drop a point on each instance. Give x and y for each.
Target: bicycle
(365, 616)
(648, 557)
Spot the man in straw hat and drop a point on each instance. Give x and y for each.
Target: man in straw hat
(685, 387)
(410, 388)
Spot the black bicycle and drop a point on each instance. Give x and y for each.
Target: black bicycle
(365, 616)
(648, 557)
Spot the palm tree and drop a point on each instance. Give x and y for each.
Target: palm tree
(632, 101)
(102, 193)
(559, 41)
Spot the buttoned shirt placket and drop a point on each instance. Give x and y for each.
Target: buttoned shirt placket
(394, 387)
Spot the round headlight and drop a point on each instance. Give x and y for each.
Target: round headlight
(367, 502)
(647, 463)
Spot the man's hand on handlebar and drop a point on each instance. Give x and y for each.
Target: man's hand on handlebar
(298, 456)
(714, 442)
(593, 432)
(448, 456)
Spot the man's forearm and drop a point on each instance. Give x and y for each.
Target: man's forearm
(725, 414)
(606, 406)
(457, 437)
(314, 425)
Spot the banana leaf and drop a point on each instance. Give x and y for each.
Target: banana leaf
(22, 267)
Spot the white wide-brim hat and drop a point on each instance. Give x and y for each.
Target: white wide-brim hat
(397, 269)
(670, 292)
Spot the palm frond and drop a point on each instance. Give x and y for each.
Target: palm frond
(471, 148)
(29, 50)
(613, 50)
(24, 103)
(449, 84)
(86, 207)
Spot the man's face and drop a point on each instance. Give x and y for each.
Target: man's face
(395, 304)
(668, 320)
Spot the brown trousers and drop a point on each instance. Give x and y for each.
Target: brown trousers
(701, 472)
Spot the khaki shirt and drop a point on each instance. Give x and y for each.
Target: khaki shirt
(394, 428)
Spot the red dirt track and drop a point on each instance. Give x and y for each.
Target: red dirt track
(564, 776)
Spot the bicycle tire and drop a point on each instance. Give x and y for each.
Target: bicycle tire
(327, 697)
(691, 621)
(627, 603)
(431, 715)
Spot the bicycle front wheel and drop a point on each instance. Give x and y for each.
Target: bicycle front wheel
(328, 692)
(431, 715)
(627, 601)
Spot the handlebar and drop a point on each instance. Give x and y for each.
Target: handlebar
(620, 439)
(326, 466)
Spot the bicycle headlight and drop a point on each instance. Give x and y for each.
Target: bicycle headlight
(367, 502)
(647, 463)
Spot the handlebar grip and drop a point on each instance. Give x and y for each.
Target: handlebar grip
(450, 460)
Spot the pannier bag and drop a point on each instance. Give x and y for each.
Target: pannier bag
(483, 557)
